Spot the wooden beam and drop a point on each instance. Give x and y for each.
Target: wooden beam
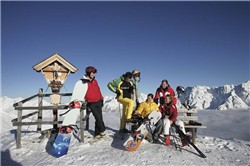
(55, 112)
(25, 116)
(188, 118)
(25, 100)
(44, 107)
(19, 128)
(194, 126)
(187, 111)
(40, 105)
(36, 123)
(82, 125)
(36, 95)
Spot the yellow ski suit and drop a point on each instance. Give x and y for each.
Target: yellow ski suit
(126, 90)
(145, 108)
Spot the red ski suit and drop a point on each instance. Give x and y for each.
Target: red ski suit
(161, 94)
(169, 110)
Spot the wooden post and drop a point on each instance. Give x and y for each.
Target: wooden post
(194, 135)
(82, 124)
(40, 113)
(55, 110)
(19, 127)
(87, 119)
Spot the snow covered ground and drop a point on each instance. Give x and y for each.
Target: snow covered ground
(226, 141)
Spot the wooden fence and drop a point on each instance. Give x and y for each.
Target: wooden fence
(39, 122)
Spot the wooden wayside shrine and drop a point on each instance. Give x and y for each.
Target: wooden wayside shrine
(55, 70)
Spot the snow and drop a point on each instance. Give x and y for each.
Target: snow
(221, 98)
(225, 141)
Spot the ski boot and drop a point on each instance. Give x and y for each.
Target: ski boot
(167, 140)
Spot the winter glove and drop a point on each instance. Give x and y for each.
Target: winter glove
(74, 104)
(84, 105)
(167, 112)
(118, 93)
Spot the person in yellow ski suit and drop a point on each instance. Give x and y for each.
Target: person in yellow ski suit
(124, 87)
(124, 96)
(144, 109)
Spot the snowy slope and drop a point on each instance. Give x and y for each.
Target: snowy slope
(229, 150)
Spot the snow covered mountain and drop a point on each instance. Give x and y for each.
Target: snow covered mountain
(221, 98)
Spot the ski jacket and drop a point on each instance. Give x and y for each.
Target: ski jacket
(169, 110)
(161, 94)
(113, 85)
(125, 89)
(182, 101)
(93, 93)
(145, 108)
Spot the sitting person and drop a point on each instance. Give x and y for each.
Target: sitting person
(144, 109)
(169, 116)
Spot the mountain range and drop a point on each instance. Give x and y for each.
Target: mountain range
(199, 97)
(220, 98)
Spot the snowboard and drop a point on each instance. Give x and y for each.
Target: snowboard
(61, 145)
(133, 143)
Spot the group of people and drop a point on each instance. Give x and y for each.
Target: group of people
(165, 98)
(124, 87)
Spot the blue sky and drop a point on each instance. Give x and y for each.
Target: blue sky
(187, 43)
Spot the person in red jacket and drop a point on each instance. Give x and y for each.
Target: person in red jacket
(162, 91)
(169, 116)
(94, 100)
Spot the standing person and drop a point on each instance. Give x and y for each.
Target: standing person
(114, 83)
(124, 96)
(94, 100)
(124, 89)
(162, 91)
(144, 109)
(183, 102)
(169, 116)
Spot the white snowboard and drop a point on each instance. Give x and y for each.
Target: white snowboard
(78, 94)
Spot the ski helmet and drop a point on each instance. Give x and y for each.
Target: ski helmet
(90, 69)
(136, 73)
(128, 74)
(180, 89)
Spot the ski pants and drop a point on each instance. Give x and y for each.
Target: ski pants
(96, 109)
(166, 126)
(127, 111)
(154, 135)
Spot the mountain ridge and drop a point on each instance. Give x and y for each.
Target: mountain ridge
(199, 97)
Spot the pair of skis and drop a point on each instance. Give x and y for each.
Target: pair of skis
(188, 140)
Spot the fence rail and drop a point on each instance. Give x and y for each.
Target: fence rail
(54, 110)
